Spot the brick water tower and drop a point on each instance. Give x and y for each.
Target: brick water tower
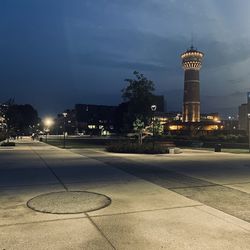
(191, 63)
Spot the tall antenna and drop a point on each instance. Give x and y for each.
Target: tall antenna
(192, 40)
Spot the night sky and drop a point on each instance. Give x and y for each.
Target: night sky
(55, 53)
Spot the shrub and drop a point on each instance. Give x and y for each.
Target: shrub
(128, 147)
(8, 144)
(2, 137)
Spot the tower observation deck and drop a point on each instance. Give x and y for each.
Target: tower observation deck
(191, 63)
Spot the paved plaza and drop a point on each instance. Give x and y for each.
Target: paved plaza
(194, 200)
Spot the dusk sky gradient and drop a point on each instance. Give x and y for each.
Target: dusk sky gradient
(56, 53)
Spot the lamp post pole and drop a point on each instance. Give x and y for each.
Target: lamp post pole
(47, 122)
(153, 127)
(153, 108)
(64, 133)
(64, 127)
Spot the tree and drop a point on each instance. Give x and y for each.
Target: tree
(21, 118)
(138, 126)
(139, 96)
(156, 127)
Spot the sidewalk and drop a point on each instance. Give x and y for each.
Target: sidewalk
(143, 214)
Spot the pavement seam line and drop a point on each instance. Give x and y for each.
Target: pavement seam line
(235, 183)
(100, 231)
(195, 186)
(218, 217)
(51, 170)
(144, 211)
(27, 185)
(104, 215)
(42, 221)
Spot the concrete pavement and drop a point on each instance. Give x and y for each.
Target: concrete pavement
(196, 200)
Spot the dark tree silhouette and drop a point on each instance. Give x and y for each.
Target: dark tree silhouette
(21, 118)
(139, 96)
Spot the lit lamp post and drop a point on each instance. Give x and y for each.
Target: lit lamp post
(64, 122)
(230, 123)
(48, 122)
(153, 108)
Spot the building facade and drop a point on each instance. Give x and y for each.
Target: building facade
(244, 110)
(95, 119)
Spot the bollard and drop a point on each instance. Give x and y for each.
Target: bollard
(217, 148)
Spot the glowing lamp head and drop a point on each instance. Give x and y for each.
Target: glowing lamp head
(153, 107)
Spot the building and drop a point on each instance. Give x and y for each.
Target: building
(244, 110)
(231, 124)
(66, 121)
(3, 122)
(210, 117)
(95, 119)
(86, 119)
(208, 123)
(191, 63)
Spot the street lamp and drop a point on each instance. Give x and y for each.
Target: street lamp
(64, 121)
(48, 122)
(153, 108)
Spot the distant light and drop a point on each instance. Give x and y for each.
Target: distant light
(48, 122)
(174, 127)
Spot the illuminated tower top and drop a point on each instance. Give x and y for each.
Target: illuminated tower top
(192, 59)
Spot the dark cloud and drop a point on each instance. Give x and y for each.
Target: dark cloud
(220, 54)
(126, 45)
(97, 60)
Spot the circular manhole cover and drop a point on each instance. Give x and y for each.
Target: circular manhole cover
(68, 202)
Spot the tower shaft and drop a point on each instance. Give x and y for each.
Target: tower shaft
(191, 99)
